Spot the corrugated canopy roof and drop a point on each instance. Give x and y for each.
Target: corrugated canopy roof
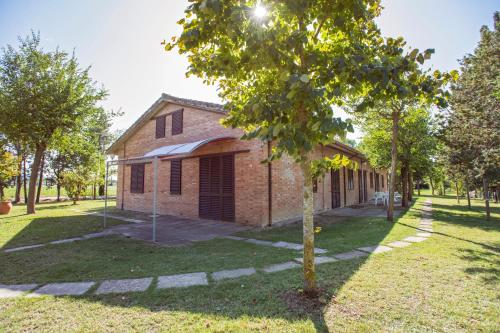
(183, 148)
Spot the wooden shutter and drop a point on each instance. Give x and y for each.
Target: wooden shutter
(315, 185)
(175, 176)
(160, 127)
(216, 199)
(382, 181)
(335, 177)
(371, 179)
(177, 122)
(137, 178)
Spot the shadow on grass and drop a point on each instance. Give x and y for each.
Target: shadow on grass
(273, 296)
(486, 264)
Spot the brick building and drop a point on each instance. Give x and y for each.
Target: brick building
(205, 171)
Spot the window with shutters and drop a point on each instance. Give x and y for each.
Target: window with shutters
(160, 127)
(175, 176)
(371, 179)
(137, 178)
(315, 185)
(177, 120)
(382, 181)
(350, 179)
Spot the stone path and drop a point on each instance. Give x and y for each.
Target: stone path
(280, 244)
(203, 278)
(59, 241)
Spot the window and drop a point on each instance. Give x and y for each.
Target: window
(371, 179)
(137, 178)
(160, 127)
(350, 179)
(177, 120)
(315, 185)
(382, 181)
(377, 182)
(175, 176)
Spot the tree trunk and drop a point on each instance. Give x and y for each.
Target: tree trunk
(418, 187)
(93, 192)
(40, 180)
(35, 166)
(432, 186)
(19, 181)
(308, 230)
(497, 191)
(58, 187)
(410, 186)
(467, 190)
(456, 189)
(394, 160)
(486, 197)
(404, 184)
(24, 180)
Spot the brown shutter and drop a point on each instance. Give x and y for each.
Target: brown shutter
(371, 179)
(175, 176)
(160, 127)
(216, 199)
(137, 178)
(315, 185)
(177, 122)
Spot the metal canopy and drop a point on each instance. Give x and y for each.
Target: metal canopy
(183, 148)
(153, 157)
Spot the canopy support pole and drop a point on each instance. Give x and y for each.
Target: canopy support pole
(155, 191)
(105, 195)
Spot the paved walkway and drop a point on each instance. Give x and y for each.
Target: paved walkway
(204, 278)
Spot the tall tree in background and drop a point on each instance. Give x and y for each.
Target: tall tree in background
(473, 128)
(403, 85)
(281, 65)
(42, 93)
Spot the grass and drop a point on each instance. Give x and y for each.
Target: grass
(51, 191)
(53, 221)
(447, 283)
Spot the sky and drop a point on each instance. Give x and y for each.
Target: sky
(121, 41)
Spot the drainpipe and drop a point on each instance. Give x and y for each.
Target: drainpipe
(123, 178)
(269, 186)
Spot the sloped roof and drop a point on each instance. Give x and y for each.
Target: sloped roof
(160, 102)
(184, 148)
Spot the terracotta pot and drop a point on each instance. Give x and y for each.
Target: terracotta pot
(5, 207)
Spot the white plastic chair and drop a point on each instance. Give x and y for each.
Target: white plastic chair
(378, 196)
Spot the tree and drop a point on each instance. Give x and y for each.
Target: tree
(8, 169)
(472, 130)
(402, 86)
(416, 145)
(41, 94)
(75, 183)
(281, 66)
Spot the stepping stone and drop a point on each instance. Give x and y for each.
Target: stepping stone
(21, 248)
(424, 234)
(124, 286)
(97, 234)
(15, 290)
(318, 260)
(64, 288)
(399, 244)
(319, 251)
(182, 280)
(426, 229)
(375, 249)
(231, 274)
(350, 255)
(235, 238)
(67, 240)
(259, 242)
(286, 245)
(414, 239)
(280, 267)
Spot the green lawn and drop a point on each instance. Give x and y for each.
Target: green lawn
(449, 283)
(51, 191)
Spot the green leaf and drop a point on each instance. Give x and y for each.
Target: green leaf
(413, 54)
(420, 59)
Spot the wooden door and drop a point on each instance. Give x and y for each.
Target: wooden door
(335, 188)
(216, 199)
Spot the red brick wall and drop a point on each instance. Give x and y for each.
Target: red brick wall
(250, 175)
